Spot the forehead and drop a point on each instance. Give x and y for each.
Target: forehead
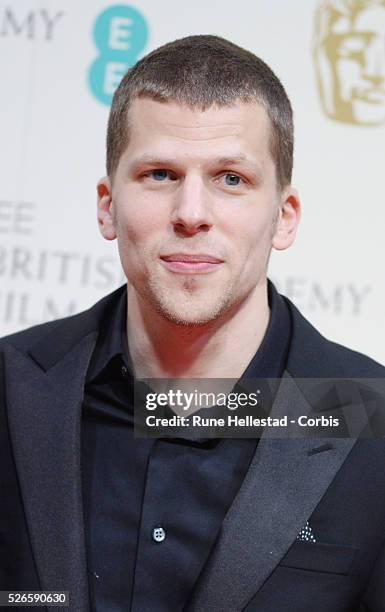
(369, 20)
(179, 129)
(373, 19)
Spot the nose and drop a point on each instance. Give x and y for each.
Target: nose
(374, 69)
(192, 212)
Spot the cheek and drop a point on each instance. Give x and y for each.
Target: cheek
(251, 233)
(349, 73)
(138, 220)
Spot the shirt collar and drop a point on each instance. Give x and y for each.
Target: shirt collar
(112, 339)
(268, 362)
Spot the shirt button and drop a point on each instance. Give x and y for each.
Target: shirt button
(124, 371)
(158, 534)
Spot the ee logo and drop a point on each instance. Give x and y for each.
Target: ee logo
(120, 34)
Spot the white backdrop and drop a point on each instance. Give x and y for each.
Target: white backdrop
(57, 74)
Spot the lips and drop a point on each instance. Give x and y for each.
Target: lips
(372, 96)
(191, 263)
(191, 258)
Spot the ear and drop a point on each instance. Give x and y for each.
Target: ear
(288, 218)
(105, 212)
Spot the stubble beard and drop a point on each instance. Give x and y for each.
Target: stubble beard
(190, 305)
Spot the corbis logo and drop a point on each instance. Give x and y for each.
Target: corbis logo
(349, 57)
(120, 34)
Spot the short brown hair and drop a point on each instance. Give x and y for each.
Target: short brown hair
(201, 71)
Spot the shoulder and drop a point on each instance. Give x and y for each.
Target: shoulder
(27, 337)
(311, 354)
(65, 331)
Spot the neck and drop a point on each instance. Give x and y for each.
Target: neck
(222, 348)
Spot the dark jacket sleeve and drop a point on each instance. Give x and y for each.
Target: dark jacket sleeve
(17, 566)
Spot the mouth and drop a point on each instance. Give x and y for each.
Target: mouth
(371, 96)
(189, 263)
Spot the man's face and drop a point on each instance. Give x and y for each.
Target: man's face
(356, 52)
(194, 204)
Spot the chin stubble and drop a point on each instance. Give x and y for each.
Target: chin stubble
(184, 316)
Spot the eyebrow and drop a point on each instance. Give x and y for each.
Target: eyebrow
(147, 158)
(225, 160)
(234, 160)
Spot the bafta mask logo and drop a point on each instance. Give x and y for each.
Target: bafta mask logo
(349, 57)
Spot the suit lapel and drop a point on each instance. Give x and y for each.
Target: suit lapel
(44, 411)
(285, 482)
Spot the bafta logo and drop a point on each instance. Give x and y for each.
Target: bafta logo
(349, 57)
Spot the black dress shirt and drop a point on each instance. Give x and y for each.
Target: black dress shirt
(153, 508)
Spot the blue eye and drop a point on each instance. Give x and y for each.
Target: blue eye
(160, 174)
(233, 180)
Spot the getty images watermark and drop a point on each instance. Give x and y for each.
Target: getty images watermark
(252, 408)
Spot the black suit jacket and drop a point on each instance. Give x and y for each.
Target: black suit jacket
(257, 563)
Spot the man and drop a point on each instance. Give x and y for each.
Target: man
(198, 191)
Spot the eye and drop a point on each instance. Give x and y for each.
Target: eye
(353, 47)
(232, 180)
(161, 175)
